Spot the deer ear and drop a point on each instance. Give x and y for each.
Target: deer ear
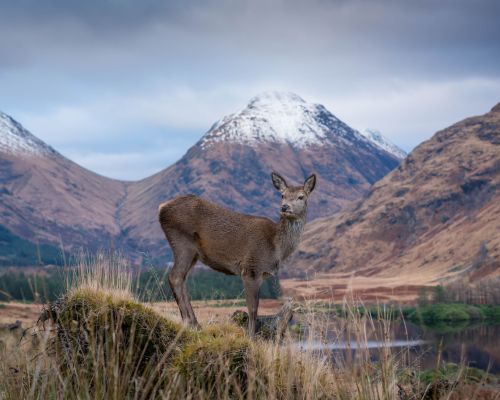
(310, 183)
(278, 182)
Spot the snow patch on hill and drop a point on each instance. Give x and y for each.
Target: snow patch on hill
(381, 141)
(280, 117)
(14, 139)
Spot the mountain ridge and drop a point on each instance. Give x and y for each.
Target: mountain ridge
(285, 117)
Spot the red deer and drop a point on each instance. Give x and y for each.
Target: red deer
(236, 244)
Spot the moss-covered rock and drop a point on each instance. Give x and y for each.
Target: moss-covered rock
(270, 327)
(94, 324)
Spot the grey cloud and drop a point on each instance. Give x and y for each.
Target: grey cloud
(101, 15)
(445, 35)
(122, 62)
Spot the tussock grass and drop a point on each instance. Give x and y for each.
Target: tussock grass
(102, 343)
(106, 273)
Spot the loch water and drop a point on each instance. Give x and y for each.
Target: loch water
(476, 345)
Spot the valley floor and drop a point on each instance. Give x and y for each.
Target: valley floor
(337, 286)
(333, 287)
(206, 311)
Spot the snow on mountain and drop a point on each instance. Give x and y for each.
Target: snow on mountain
(381, 141)
(15, 139)
(280, 117)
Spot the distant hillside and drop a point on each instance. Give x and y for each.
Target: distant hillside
(15, 250)
(46, 198)
(438, 213)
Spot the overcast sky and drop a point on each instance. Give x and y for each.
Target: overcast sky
(126, 87)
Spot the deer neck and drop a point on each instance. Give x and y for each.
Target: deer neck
(288, 235)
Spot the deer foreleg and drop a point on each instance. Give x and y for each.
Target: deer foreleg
(252, 286)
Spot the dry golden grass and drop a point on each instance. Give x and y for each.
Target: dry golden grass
(27, 313)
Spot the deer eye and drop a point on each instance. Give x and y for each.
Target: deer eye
(301, 197)
(282, 196)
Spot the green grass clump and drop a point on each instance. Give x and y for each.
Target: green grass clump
(490, 312)
(109, 345)
(452, 372)
(444, 312)
(438, 383)
(215, 360)
(95, 315)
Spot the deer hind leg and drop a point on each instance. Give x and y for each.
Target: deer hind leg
(191, 315)
(252, 286)
(185, 256)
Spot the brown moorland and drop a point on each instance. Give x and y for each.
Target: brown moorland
(433, 219)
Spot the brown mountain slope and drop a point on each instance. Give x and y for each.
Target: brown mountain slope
(44, 197)
(434, 217)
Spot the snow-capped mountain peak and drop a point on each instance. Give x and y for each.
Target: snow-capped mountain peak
(275, 116)
(381, 141)
(15, 139)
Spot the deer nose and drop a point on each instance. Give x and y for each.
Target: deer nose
(285, 208)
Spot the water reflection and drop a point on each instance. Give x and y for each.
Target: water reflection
(370, 344)
(477, 345)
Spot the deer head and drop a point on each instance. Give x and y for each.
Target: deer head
(293, 198)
